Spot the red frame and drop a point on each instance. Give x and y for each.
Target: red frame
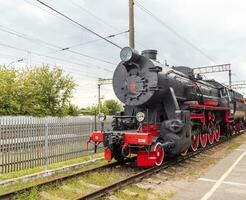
(201, 117)
(107, 154)
(152, 129)
(146, 159)
(210, 103)
(96, 136)
(143, 139)
(205, 107)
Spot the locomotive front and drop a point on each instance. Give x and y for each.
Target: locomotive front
(135, 80)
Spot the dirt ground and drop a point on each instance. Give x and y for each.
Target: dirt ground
(166, 184)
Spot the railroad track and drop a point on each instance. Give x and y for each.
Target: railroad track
(11, 194)
(119, 184)
(146, 173)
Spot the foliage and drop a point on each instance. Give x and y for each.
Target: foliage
(40, 91)
(109, 107)
(9, 89)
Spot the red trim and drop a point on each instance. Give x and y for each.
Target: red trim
(146, 159)
(210, 103)
(155, 157)
(107, 154)
(137, 139)
(96, 136)
(198, 116)
(204, 107)
(194, 142)
(211, 138)
(152, 129)
(217, 134)
(228, 118)
(203, 140)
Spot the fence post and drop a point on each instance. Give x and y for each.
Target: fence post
(46, 146)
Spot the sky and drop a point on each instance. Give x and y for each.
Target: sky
(216, 28)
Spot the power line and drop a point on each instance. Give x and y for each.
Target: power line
(47, 44)
(76, 72)
(51, 13)
(92, 14)
(173, 31)
(38, 54)
(96, 40)
(89, 12)
(79, 24)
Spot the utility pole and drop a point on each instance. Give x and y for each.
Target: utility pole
(131, 24)
(99, 97)
(230, 78)
(101, 82)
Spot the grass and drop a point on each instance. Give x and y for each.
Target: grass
(20, 185)
(142, 194)
(103, 179)
(32, 195)
(29, 171)
(77, 186)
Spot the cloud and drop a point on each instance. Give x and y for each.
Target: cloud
(216, 27)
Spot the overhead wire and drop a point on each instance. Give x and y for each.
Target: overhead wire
(52, 65)
(96, 40)
(75, 72)
(38, 54)
(77, 23)
(95, 16)
(48, 44)
(102, 21)
(21, 35)
(168, 27)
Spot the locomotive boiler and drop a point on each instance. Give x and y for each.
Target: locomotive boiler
(167, 110)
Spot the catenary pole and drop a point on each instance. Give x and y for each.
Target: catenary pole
(131, 24)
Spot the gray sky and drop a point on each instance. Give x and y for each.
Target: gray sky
(216, 27)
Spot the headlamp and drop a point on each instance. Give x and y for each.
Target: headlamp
(140, 116)
(101, 117)
(128, 54)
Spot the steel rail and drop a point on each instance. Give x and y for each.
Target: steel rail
(9, 195)
(146, 173)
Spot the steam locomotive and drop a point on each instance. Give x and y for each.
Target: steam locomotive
(168, 110)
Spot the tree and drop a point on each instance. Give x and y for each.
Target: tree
(46, 91)
(9, 88)
(40, 91)
(110, 107)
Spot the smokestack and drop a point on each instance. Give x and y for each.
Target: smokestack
(151, 54)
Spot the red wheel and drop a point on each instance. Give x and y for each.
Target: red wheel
(159, 154)
(211, 137)
(184, 153)
(217, 134)
(194, 142)
(211, 134)
(203, 140)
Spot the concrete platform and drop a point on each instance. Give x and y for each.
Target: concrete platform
(225, 181)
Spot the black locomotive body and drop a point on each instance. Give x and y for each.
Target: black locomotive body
(167, 110)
